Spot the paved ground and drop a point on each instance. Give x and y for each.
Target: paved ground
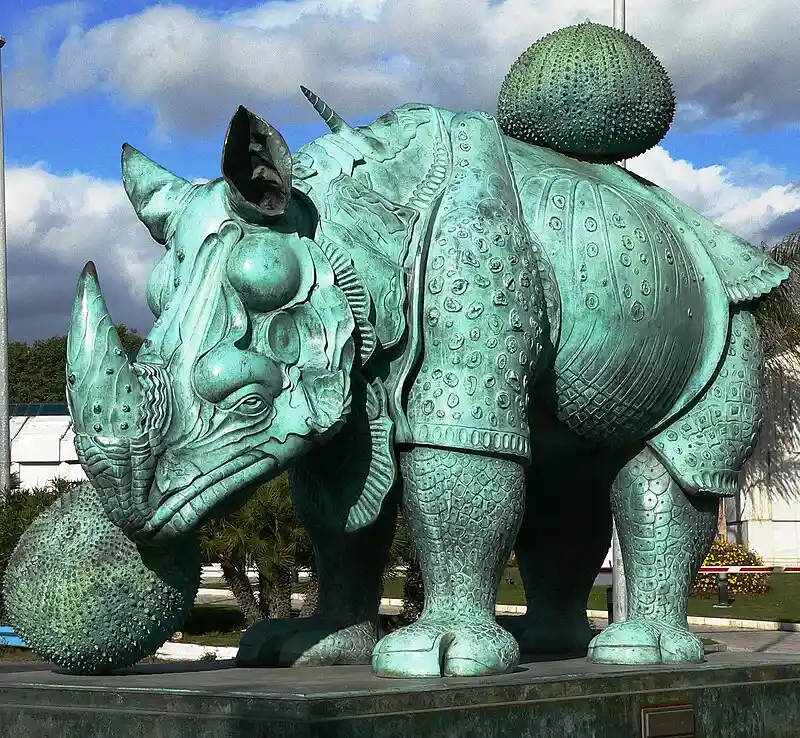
(758, 641)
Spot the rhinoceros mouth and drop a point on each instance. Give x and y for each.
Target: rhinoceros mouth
(184, 509)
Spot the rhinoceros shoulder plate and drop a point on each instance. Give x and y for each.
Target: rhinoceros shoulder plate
(483, 305)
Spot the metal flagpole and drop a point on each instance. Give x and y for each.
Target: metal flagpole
(618, 586)
(5, 439)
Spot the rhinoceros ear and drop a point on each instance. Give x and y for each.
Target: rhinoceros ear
(153, 191)
(257, 166)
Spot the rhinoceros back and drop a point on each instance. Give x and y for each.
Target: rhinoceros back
(645, 315)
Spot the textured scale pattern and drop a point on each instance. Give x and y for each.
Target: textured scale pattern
(589, 91)
(706, 448)
(664, 536)
(463, 511)
(747, 271)
(104, 603)
(483, 305)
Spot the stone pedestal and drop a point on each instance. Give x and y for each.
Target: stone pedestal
(733, 695)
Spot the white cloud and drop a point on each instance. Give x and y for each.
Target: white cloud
(56, 223)
(747, 207)
(728, 58)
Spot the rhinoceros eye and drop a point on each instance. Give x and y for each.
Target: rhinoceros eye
(246, 401)
(251, 405)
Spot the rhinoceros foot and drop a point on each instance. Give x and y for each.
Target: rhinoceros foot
(314, 641)
(640, 641)
(445, 646)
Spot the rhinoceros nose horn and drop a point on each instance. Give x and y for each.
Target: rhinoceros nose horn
(103, 392)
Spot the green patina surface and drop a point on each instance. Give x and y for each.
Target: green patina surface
(429, 312)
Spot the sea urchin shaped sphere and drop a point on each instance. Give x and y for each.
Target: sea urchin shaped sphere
(86, 598)
(589, 91)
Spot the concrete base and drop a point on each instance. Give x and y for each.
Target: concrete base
(737, 695)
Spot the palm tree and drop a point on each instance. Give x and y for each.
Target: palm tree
(278, 544)
(778, 317)
(264, 533)
(225, 543)
(778, 313)
(402, 552)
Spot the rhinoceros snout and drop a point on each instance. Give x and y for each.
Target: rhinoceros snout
(119, 409)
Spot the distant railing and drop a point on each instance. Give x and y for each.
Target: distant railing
(9, 638)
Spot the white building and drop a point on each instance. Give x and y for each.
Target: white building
(43, 444)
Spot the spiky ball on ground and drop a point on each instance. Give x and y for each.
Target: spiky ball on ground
(86, 598)
(589, 91)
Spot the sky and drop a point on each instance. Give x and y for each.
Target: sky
(81, 78)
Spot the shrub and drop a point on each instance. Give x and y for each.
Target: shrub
(723, 553)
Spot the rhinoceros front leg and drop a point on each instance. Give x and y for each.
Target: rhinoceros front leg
(350, 565)
(664, 535)
(463, 512)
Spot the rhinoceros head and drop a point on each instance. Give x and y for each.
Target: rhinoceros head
(248, 361)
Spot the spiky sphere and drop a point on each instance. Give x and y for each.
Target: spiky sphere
(86, 598)
(590, 91)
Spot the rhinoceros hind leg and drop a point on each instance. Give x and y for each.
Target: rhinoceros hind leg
(664, 535)
(463, 512)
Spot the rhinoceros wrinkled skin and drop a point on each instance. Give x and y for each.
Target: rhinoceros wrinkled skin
(424, 312)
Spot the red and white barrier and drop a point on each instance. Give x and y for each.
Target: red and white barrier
(736, 570)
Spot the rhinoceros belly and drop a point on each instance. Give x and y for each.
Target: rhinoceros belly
(643, 327)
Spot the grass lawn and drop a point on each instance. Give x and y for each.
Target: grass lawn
(222, 625)
(17, 654)
(782, 602)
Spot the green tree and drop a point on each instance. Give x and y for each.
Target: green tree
(18, 509)
(403, 553)
(37, 371)
(778, 314)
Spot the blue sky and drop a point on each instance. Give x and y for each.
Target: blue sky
(80, 78)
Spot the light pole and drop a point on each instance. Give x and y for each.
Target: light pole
(5, 437)
(618, 586)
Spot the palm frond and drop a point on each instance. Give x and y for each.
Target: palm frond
(778, 313)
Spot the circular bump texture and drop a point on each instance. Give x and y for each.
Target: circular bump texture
(590, 91)
(86, 598)
(265, 272)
